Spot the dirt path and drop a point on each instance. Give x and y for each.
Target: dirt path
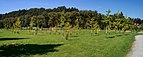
(137, 49)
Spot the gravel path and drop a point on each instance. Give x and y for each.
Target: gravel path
(137, 48)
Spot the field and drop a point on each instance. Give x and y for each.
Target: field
(116, 44)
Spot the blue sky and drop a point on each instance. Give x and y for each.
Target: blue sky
(132, 8)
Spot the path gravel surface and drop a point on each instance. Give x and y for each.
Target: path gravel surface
(137, 48)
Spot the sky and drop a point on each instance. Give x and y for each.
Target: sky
(131, 8)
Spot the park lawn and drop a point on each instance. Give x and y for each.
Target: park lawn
(53, 45)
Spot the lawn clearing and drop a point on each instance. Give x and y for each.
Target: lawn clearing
(53, 45)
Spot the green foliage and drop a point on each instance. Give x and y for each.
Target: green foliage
(45, 18)
(94, 26)
(76, 26)
(107, 21)
(17, 26)
(31, 24)
(62, 19)
(67, 28)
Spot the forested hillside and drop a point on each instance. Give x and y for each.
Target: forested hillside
(60, 16)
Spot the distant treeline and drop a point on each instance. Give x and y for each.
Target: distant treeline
(54, 17)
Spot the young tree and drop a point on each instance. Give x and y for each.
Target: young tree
(67, 28)
(94, 26)
(17, 26)
(76, 26)
(31, 24)
(107, 21)
(91, 23)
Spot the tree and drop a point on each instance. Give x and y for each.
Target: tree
(117, 22)
(125, 24)
(17, 26)
(76, 26)
(97, 27)
(31, 24)
(131, 25)
(94, 26)
(67, 28)
(107, 21)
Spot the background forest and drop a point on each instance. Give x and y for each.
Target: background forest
(58, 17)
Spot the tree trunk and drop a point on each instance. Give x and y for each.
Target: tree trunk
(67, 35)
(106, 31)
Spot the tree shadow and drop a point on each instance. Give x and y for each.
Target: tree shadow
(16, 50)
(73, 36)
(111, 36)
(4, 39)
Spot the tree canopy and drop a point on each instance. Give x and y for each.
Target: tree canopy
(59, 16)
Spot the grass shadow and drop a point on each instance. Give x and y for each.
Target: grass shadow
(112, 36)
(73, 36)
(16, 50)
(4, 39)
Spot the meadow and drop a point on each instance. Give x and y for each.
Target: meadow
(83, 44)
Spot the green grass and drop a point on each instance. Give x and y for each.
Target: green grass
(82, 45)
